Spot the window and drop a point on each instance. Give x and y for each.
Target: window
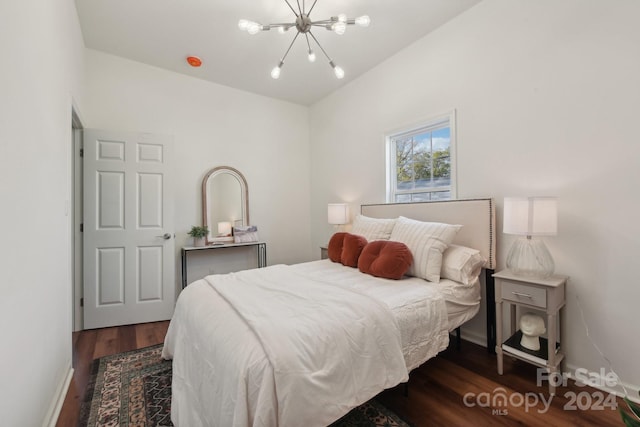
(421, 162)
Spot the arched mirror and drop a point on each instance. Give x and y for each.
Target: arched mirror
(225, 201)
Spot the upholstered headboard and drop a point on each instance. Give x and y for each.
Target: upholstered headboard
(478, 220)
(477, 217)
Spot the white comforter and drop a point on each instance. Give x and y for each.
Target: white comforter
(281, 346)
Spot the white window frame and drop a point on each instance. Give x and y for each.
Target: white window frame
(424, 125)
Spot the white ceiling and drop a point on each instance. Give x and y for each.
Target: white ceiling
(163, 33)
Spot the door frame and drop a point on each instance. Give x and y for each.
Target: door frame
(76, 234)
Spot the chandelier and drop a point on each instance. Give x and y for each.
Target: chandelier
(303, 24)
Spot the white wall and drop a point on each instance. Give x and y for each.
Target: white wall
(41, 49)
(547, 95)
(213, 125)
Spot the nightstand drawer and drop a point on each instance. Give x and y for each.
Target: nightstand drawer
(524, 294)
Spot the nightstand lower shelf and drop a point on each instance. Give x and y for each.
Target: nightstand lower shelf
(513, 348)
(554, 368)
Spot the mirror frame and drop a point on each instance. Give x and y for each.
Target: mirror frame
(245, 189)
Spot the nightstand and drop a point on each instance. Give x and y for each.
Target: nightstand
(324, 252)
(547, 295)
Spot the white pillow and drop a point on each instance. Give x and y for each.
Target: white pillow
(427, 241)
(461, 264)
(372, 228)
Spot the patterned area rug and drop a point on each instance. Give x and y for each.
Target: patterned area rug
(134, 389)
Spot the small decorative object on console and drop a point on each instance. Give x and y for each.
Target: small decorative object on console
(224, 234)
(221, 240)
(199, 233)
(246, 234)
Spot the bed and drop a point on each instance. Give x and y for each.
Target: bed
(304, 344)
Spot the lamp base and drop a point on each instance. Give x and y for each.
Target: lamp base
(529, 257)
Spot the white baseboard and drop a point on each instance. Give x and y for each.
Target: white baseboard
(56, 405)
(479, 339)
(600, 383)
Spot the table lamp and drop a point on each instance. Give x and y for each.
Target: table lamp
(530, 217)
(224, 228)
(338, 214)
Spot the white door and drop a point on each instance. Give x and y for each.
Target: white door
(128, 256)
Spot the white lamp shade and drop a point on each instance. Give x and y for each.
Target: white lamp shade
(338, 213)
(531, 216)
(224, 228)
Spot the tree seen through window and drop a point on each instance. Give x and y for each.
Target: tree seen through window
(423, 165)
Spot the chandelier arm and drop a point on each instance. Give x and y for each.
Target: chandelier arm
(282, 24)
(312, 6)
(321, 48)
(331, 20)
(292, 42)
(299, 8)
(306, 36)
(325, 26)
(291, 7)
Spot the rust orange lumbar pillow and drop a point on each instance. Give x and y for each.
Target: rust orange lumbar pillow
(345, 248)
(352, 249)
(384, 258)
(334, 250)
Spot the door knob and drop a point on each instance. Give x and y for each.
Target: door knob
(165, 236)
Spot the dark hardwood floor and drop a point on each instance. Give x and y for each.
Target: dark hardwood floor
(462, 388)
(95, 343)
(456, 388)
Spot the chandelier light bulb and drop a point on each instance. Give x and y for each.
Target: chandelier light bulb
(342, 18)
(242, 24)
(339, 28)
(275, 73)
(339, 72)
(363, 21)
(253, 27)
(312, 56)
(282, 29)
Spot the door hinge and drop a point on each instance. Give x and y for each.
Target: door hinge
(82, 152)
(81, 228)
(81, 302)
